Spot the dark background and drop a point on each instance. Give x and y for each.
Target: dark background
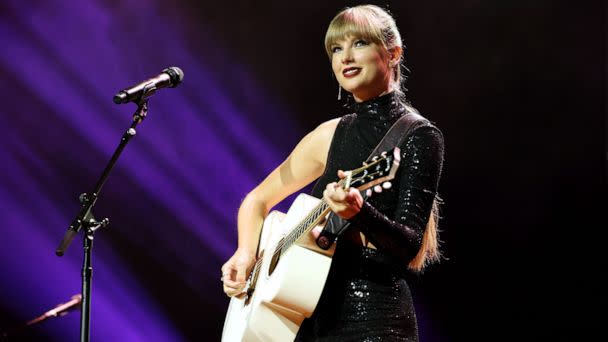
(517, 87)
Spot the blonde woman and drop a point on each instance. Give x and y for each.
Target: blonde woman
(366, 297)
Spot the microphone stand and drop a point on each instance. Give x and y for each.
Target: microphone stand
(84, 220)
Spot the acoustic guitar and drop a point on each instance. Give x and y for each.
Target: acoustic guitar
(289, 275)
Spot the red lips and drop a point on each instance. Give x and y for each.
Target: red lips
(350, 72)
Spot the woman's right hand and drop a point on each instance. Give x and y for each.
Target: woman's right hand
(236, 270)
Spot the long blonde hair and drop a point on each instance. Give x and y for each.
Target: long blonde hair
(374, 24)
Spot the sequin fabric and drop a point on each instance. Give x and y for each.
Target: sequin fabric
(366, 297)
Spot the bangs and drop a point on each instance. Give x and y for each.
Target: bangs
(353, 22)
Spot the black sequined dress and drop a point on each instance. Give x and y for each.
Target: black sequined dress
(366, 297)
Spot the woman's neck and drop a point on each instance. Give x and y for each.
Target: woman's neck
(373, 93)
(360, 99)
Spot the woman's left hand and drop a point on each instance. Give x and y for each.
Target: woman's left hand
(345, 203)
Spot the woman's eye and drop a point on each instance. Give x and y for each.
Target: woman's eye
(361, 42)
(335, 49)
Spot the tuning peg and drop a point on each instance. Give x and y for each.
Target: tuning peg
(368, 192)
(378, 188)
(387, 185)
(375, 158)
(364, 164)
(383, 154)
(397, 154)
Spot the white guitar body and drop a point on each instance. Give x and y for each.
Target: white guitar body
(283, 298)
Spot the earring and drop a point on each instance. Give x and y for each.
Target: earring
(339, 92)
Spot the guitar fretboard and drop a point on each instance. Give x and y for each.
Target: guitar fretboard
(305, 226)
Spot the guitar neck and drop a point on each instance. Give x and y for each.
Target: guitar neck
(316, 216)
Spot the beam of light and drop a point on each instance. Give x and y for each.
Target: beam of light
(173, 195)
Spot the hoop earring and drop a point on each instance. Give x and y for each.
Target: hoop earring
(339, 92)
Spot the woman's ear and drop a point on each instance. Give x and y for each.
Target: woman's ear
(394, 55)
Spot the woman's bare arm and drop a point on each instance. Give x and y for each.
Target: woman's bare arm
(303, 165)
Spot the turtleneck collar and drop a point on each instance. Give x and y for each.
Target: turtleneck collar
(384, 108)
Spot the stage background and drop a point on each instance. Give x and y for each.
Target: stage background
(518, 88)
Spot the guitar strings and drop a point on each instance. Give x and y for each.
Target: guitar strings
(314, 215)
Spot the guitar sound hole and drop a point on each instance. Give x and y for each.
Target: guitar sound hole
(273, 263)
(248, 297)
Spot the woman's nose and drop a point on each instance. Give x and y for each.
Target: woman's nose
(347, 56)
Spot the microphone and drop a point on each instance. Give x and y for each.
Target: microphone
(170, 77)
(60, 310)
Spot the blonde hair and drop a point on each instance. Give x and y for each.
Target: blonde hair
(368, 22)
(429, 249)
(376, 25)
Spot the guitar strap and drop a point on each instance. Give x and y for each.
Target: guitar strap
(398, 132)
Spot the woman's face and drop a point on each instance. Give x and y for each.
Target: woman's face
(361, 67)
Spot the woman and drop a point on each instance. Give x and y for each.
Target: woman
(365, 297)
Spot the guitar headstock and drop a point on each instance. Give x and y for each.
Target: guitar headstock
(380, 169)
